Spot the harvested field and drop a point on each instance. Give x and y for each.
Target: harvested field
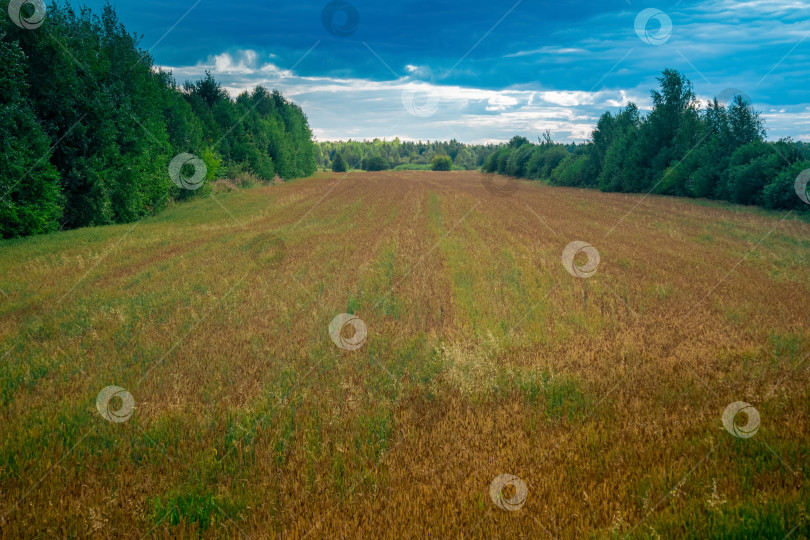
(484, 356)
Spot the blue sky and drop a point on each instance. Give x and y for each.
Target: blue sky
(481, 70)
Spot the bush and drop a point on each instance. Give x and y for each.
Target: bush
(491, 163)
(442, 163)
(552, 158)
(238, 176)
(213, 163)
(571, 172)
(214, 171)
(752, 167)
(375, 163)
(339, 164)
(781, 192)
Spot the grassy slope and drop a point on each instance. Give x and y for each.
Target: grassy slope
(484, 357)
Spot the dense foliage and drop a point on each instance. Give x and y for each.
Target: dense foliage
(89, 127)
(339, 164)
(719, 152)
(396, 154)
(375, 163)
(442, 163)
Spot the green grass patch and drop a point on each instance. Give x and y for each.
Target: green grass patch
(373, 433)
(199, 508)
(750, 520)
(557, 396)
(785, 345)
(413, 167)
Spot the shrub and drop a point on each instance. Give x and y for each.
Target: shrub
(375, 163)
(339, 164)
(781, 192)
(752, 167)
(442, 163)
(553, 156)
(571, 172)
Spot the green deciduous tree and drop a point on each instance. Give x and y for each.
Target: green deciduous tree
(30, 196)
(677, 149)
(116, 122)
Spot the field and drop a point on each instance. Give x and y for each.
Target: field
(484, 356)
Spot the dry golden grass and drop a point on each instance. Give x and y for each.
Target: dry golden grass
(484, 356)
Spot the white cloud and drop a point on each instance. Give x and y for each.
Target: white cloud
(624, 98)
(243, 62)
(240, 62)
(341, 108)
(548, 51)
(413, 109)
(753, 9)
(501, 102)
(568, 99)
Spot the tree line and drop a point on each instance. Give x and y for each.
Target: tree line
(717, 152)
(380, 154)
(89, 126)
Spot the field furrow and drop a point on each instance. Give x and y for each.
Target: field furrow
(484, 356)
